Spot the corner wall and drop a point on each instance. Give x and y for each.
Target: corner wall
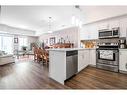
(72, 34)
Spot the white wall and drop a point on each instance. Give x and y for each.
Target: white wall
(72, 34)
(14, 30)
(32, 39)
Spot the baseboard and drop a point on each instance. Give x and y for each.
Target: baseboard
(92, 65)
(123, 72)
(120, 71)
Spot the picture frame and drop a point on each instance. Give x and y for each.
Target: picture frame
(52, 40)
(15, 40)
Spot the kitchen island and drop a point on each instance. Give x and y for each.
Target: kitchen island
(59, 69)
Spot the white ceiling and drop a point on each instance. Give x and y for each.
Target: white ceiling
(36, 17)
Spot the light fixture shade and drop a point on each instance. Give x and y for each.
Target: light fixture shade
(76, 21)
(50, 31)
(73, 20)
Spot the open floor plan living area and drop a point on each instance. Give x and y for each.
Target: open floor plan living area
(63, 47)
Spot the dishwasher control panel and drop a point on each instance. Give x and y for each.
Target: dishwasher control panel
(70, 53)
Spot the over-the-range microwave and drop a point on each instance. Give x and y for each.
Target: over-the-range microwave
(109, 33)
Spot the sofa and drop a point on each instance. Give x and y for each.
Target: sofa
(6, 58)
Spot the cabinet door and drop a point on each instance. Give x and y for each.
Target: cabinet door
(123, 60)
(86, 58)
(114, 23)
(84, 34)
(93, 31)
(83, 60)
(80, 60)
(123, 27)
(103, 25)
(92, 57)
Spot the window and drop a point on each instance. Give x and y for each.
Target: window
(6, 43)
(23, 41)
(0, 42)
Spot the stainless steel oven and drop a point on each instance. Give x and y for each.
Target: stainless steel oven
(108, 59)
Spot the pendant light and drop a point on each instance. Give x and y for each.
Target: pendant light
(76, 20)
(50, 31)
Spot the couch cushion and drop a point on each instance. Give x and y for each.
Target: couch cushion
(8, 55)
(1, 53)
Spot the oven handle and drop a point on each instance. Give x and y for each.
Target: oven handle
(113, 52)
(106, 49)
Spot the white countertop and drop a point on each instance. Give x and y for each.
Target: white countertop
(69, 49)
(123, 49)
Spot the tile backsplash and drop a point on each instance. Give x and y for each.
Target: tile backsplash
(89, 43)
(93, 43)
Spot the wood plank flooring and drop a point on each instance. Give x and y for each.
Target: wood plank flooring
(93, 78)
(31, 75)
(27, 75)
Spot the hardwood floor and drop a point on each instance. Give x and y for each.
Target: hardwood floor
(31, 75)
(27, 75)
(93, 78)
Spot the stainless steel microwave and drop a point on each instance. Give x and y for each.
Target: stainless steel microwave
(109, 33)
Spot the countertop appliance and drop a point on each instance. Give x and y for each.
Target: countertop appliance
(71, 63)
(122, 43)
(109, 33)
(107, 55)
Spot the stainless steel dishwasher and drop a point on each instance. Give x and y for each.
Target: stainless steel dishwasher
(71, 63)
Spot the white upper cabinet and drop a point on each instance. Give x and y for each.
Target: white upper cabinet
(84, 34)
(103, 25)
(93, 32)
(123, 27)
(108, 24)
(89, 32)
(114, 23)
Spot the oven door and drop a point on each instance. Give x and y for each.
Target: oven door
(107, 56)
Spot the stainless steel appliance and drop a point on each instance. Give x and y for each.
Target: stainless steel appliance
(107, 55)
(109, 33)
(71, 63)
(122, 43)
